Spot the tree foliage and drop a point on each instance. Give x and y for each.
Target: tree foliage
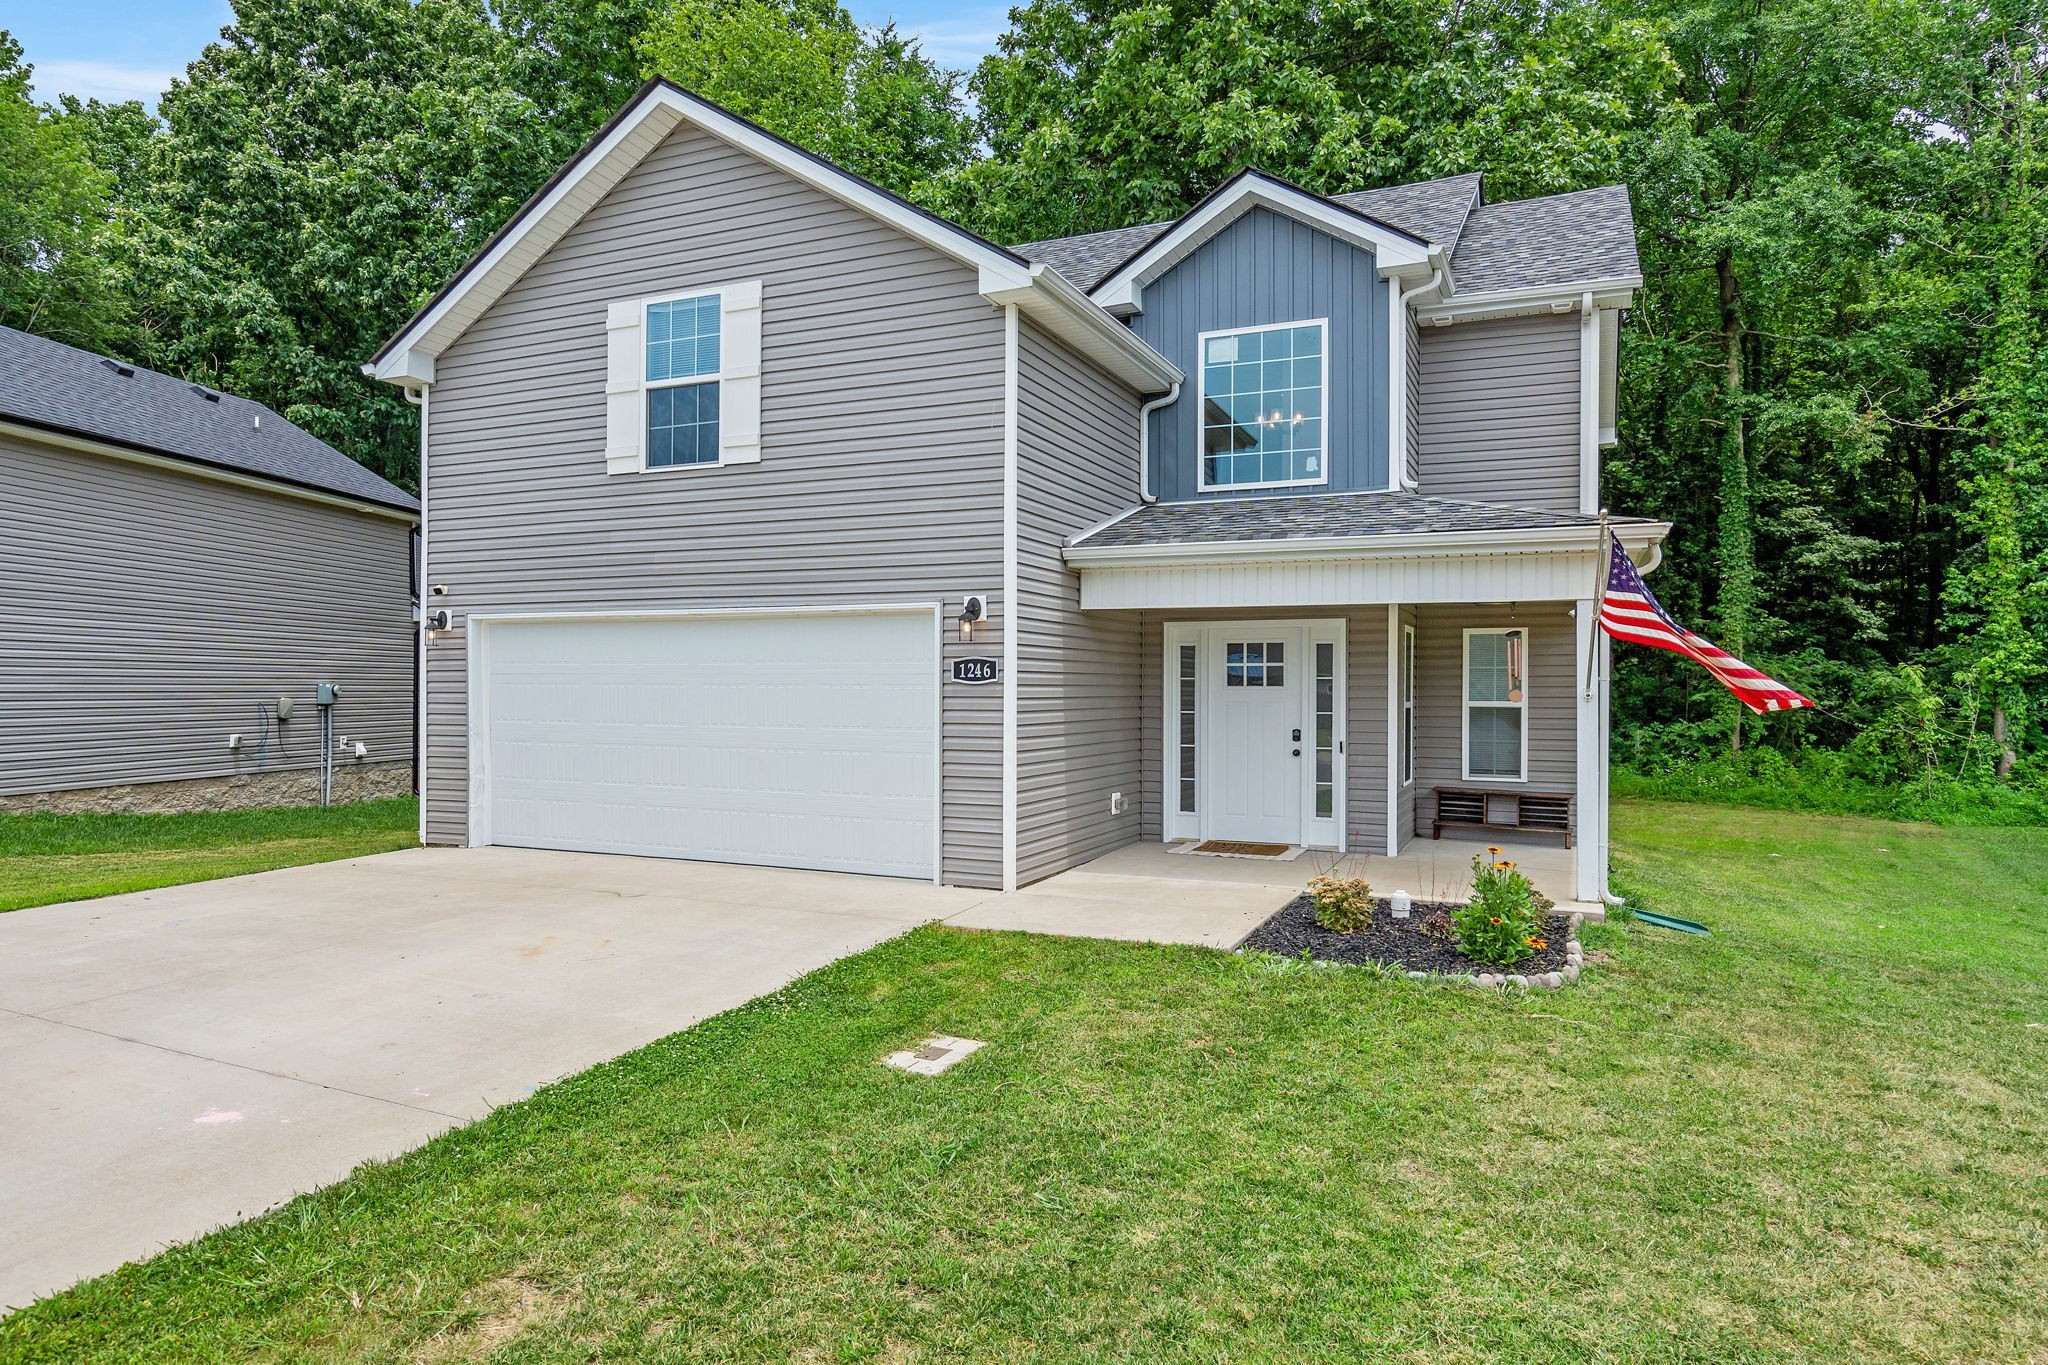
(1833, 382)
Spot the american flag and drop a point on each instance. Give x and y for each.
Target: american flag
(1628, 611)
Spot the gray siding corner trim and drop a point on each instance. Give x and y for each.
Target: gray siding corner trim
(1078, 735)
(1267, 268)
(151, 613)
(881, 470)
(1499, 412)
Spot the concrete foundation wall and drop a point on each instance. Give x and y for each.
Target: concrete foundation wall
(288, 787)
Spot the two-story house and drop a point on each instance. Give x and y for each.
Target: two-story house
(772, 519)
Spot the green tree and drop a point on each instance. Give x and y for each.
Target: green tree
(1100, 113)
(868, 100)
(54, 205)
(325, 166)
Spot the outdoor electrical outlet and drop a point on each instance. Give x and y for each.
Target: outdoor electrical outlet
(1118, 803)
(234, 741)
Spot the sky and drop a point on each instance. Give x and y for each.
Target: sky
(131, 49)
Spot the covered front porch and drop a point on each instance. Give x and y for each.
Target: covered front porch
(1341, 671)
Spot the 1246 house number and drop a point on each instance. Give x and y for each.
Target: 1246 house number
(977, 670)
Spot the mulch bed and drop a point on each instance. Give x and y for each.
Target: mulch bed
(1397, 942)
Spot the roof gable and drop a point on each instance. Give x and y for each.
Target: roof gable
(646, 121)
(61, 389)
(1394, 248)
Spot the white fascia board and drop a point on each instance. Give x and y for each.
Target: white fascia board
(639, 130)
(1125, 289)
(1618, 292)
(1637, 538)
(1049, 299)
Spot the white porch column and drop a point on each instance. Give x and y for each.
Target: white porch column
(1393, 728)
(1590, 837)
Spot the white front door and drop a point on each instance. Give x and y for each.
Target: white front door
(1258, 684)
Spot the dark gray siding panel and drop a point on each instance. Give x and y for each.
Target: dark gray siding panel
(1500, 411)
(1439, 688)
(1077, 700)
(1268, 268)
(880, 478)
(149, 614)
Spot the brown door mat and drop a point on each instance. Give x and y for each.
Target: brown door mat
(1243, 850)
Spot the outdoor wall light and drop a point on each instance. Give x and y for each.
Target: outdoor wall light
(972, 612)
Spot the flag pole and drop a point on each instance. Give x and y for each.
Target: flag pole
(1599, 600)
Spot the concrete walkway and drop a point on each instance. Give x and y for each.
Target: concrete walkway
(178, 1059)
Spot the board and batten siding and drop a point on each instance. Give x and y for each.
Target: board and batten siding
(880, 479)
(1552, 682)
(149, 614)
(1077, 672)
(1499, 409)
(1268, 268)
(1365, 715)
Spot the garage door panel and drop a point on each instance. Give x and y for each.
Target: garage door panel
(788, 741)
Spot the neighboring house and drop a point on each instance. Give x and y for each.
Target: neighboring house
(178, 566)
(721, 439)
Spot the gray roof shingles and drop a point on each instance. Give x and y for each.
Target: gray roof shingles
(1227, 520)
(47, 384)
(1525, 243)
(1562, 239)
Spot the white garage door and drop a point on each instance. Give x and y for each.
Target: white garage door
(790, 741)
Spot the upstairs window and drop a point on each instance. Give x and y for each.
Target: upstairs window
(1262, 406)
(682, 381)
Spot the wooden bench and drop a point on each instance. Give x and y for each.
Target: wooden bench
(1473, 808)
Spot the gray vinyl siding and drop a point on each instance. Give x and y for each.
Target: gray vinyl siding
(1365, 729)
(1500, 411)
(880, 478)
(1412, 359)
(1439, 697)
(1267, 268)
(149, 614)
(1077, 705)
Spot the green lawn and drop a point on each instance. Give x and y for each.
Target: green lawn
(46, 858)
(1819, 1135)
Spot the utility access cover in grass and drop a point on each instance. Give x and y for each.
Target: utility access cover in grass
(934, 1055)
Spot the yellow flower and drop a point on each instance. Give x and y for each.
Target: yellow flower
(1493, 848)
(1494, 920)
(1503, 866)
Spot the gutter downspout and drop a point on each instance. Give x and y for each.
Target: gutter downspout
(1145, 493)
(1398, 383)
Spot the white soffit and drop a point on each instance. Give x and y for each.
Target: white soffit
(641, 127)
(1391, 248)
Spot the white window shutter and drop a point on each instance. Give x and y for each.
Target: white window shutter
(624, 324)
(739, 375)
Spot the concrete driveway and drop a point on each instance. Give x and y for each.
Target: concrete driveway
(177, 1059)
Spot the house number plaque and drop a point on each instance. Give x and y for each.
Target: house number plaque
(977, 670)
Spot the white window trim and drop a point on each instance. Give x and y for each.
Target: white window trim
(648, 386)
(727, 372)
(1465, 705)
(1202, 339)
(1407, 681)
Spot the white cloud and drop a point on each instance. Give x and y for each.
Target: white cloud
(108, 81)
(961, 41)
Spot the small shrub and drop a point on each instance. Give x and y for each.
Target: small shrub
(1506, 919)
(1437, 925)
(1343, 904)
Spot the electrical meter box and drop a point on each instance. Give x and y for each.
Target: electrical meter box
(326, 694)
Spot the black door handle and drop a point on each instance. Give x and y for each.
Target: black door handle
(1297, 753)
